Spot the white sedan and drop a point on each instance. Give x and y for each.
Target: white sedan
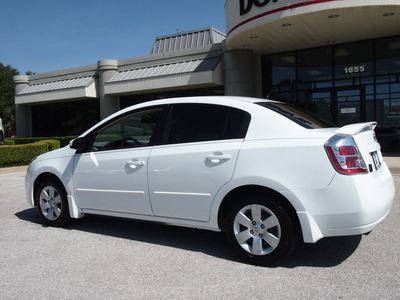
(267, 174)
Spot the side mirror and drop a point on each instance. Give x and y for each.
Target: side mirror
(78, 144)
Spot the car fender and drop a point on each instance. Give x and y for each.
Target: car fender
(60, 167)
(251, 181)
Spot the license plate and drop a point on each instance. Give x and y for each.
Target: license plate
(375, 158)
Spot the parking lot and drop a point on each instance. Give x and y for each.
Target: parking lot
(103, 258)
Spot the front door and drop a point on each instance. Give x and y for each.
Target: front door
(113, 175)
(113, 180)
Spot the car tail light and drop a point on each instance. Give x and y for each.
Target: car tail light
(344, 155)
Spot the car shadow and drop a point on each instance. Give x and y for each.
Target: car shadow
(328, 252)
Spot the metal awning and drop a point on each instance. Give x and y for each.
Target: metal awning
(75, 88)
(187, 73)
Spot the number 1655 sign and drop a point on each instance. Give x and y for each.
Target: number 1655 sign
(354, 69)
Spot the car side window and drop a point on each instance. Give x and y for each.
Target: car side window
(135, 130)
(204, 122)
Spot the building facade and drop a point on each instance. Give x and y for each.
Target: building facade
(338, 59)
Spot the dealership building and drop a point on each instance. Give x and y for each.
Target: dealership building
(339, 59)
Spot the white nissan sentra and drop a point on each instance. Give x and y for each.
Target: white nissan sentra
(265, 173)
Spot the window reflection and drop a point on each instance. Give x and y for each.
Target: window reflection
(284, 68)
(343, 84)
(388, 56)
(61, 119)
(315, 65)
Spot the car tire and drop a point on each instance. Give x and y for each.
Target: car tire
(260, 230)
(51, 200)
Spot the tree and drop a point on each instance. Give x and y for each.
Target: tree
(7, 96)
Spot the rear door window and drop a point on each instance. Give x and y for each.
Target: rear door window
(205, 122)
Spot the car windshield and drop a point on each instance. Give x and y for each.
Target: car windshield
(297, 115)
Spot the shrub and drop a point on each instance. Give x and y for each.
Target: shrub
(64, 140)
(16, 155)
(9, 142)
(52, 144)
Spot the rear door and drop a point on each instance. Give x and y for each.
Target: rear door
(198, 156)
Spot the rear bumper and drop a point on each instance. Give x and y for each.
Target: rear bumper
(350, 205)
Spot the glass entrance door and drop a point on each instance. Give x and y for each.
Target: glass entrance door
(349, 106)
(321, 105)
(340, 106)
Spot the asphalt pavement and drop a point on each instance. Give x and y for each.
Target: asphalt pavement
(104, 258)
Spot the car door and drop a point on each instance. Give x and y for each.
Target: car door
(201, 146)
(113, 175)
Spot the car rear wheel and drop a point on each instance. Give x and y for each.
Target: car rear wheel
(52, 203)
(260, 230)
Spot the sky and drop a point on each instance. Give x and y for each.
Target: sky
(49, 35)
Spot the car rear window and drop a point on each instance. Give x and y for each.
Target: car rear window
(297, 115)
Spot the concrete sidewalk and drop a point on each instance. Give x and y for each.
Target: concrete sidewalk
(392, 161)
(13, 169)
(394, 164)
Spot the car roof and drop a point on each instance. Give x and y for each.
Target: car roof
(205, 99)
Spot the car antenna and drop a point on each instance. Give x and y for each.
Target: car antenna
(267, 97)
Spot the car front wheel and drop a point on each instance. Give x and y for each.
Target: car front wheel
(260, 230)
(52, 203)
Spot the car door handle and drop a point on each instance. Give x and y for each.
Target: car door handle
(217, 158)
(135, 163)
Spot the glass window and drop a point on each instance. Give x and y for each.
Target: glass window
(283, 68)
(388, 56)
(315, 65)
(388, 104)
(321, 105)
(133, 131)
(62, 119)
(197, 122)
(353, 60)
(370, 103)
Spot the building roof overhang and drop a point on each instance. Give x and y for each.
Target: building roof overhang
(309, 24)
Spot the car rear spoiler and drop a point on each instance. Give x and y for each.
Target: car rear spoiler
(357, 128)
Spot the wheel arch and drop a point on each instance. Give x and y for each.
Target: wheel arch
(41, 178)
(258, 190)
